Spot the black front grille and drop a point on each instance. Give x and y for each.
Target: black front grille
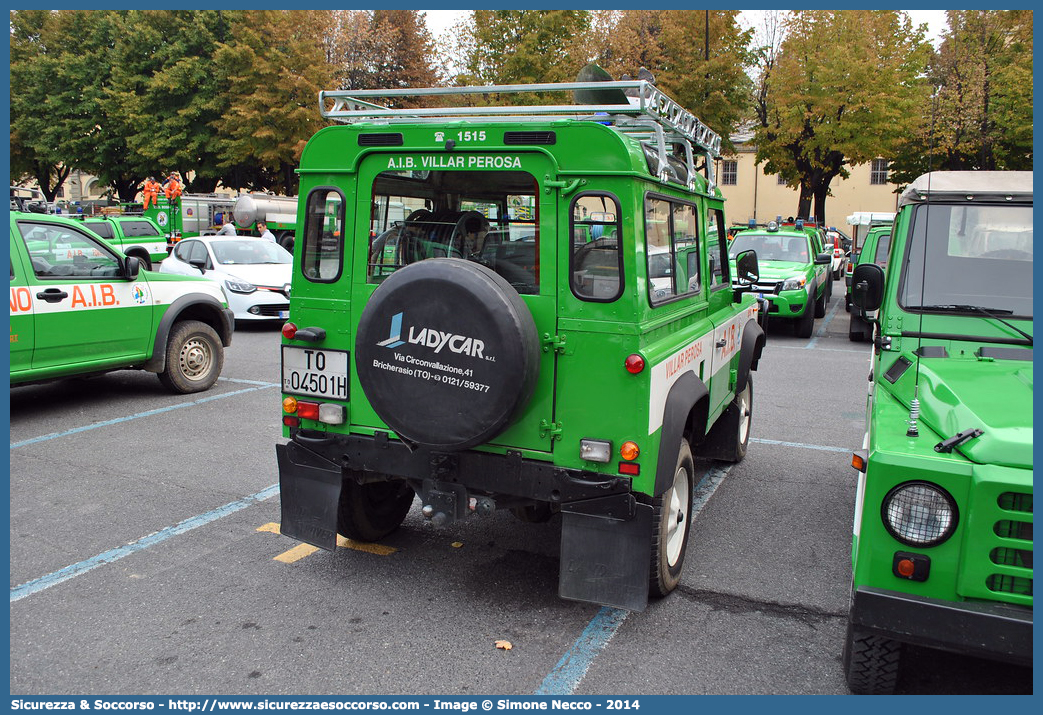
(515, 138)
(272, 310)
(382, 139)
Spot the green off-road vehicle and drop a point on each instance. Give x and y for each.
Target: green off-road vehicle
(794, 273)
(874, 250)
(942, 552)
(551, 328)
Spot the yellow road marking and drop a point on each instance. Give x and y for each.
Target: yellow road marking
(299, 552)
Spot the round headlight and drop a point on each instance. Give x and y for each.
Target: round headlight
(919, 514)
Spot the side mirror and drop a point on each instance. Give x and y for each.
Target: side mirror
(823, 259)
(867, 287)
(746, 268)
(131, 267)
(199, 263)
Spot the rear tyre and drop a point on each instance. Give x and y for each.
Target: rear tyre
(806, 323)
(286, 241)
(871, 663)
(671, 523)
(195, 357)
(143, 258)
(858, 330)
(369, 512)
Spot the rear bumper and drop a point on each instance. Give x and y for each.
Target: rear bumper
(989, 630)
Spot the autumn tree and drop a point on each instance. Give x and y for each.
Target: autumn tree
(699, 57)
(405, 53)
(980, 116)
(271, 72)
(845, 89)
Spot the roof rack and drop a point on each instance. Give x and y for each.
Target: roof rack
(649, 116)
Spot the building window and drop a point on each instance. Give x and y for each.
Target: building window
(878, 172)
(729, 173)
(782, 180)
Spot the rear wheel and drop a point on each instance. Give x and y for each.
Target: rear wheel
(143, 258)
(369, 512)
(871, 662)
(671, 525)
(285, 240)
(195, 357)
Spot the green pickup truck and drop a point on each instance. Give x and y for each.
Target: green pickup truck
(794, 273)
(942, 547)
(136, 236)
(79, 306)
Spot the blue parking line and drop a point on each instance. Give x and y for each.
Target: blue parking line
(148, 413)
(53, 579)
(822, 328)
(573, 666)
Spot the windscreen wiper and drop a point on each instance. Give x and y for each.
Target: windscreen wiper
(988, 312)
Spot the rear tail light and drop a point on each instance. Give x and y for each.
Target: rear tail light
(327, 412)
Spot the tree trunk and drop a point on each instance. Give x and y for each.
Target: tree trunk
(804, 202)
(51, 178)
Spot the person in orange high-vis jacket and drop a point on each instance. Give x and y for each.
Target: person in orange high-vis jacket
(150, 191)
(173, 186)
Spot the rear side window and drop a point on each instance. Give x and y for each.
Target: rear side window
(596, 260)
(322, 253)
(673, 249)
(139, 228)
(883, 243)
(101, 228)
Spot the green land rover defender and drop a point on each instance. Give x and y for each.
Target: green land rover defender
(550, 327)
(942, 552)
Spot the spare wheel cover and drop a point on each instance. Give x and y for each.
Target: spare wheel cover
(447, 353)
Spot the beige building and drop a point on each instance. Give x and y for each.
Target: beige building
(749, 192)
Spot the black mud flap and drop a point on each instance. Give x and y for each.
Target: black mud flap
(604, 555)
(309, 489)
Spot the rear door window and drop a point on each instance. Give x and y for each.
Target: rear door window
(322, 255)
(596, 262)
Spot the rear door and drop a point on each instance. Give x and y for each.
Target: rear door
(520, 246)
(22, 318)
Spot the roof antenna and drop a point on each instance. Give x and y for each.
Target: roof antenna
(914, 406)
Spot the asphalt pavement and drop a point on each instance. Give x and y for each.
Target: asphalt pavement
(145, 559)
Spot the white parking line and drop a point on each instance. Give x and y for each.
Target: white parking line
(822, 328)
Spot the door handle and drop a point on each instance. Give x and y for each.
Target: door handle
(721, 343)
(52, 295)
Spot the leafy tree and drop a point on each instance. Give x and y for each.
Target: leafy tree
(166, 90)
(524, 47)
(36, 150)
(271, 72)
(844, 89)
(980, 116)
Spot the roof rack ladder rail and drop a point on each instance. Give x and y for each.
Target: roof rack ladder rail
(349, 105)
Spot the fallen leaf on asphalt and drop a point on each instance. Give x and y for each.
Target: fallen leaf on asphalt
(504, 645)
(457, 544)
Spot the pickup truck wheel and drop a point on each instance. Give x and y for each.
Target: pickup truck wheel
(285, 240)
(806, 323)
(871, 662)
(820, 305)
(369, 512)
(146, 262)
(671, 524)
(194, 358)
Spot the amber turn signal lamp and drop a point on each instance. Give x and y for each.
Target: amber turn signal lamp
(629, 451)
(289, 405)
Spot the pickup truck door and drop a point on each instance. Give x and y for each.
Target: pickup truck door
(87, 313)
